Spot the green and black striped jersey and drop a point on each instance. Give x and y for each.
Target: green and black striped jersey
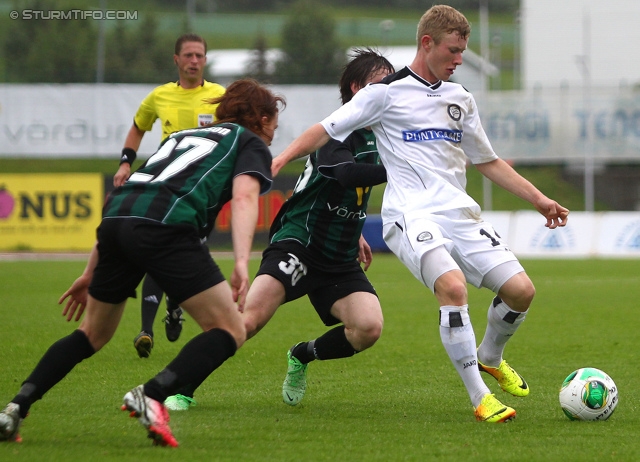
(323, 216)
(190, 177)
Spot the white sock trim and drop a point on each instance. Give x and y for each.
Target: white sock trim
(454, 316)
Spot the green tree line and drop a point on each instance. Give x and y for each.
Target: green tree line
(504, 6)
(41, 50)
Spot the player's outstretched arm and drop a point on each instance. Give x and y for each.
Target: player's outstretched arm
(556, 214)
(310, 141)
(502, 174)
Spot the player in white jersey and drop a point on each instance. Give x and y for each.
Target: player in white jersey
(427, 129)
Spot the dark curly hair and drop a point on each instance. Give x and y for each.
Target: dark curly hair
(245, 102)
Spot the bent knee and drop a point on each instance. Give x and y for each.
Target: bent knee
(97, 340)
(240, 336)
(518, 293)
(367, 336)
(528, 293)
(454, 293)
(250, 327)
(253, 324)
(236, 329)
(373, 333)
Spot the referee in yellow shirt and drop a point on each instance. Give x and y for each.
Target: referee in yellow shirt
(179, 105)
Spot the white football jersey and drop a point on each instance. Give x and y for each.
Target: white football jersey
(425, 134)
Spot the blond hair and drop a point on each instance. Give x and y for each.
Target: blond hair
(440, 20)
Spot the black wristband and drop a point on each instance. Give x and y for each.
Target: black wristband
(128, 156)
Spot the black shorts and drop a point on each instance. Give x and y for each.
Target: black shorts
(300, 277)
(173, 255)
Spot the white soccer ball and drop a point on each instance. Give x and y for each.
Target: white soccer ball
(588, 394)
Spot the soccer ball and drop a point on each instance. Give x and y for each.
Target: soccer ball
(588, 394)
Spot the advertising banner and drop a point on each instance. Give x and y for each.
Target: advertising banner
(60, 212)
(587, 235)
(533, 239)
(554, 125)
(86, 120)
(50, 211)
(619, 235)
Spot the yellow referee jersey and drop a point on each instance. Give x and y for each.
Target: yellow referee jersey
(177, 108)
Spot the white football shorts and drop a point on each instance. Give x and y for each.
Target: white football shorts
(475, 248)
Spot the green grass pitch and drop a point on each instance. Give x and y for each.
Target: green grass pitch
(399, 401)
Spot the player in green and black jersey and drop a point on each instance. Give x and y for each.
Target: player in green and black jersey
(191, 168)
(153, 225)
(316, 247)
(325, 215)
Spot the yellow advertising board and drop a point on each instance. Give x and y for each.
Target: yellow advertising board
(50, 211)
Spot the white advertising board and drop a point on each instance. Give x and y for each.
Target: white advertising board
(533, 238)
(598, 234)
(619, 234)
(93, 120)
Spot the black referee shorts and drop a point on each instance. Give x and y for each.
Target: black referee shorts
(172, 255)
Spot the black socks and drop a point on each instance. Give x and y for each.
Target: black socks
(332, 345)
(151, 297)
(55, 364)
(196, 361)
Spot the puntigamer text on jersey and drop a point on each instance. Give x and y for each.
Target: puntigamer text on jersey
(431, 134)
